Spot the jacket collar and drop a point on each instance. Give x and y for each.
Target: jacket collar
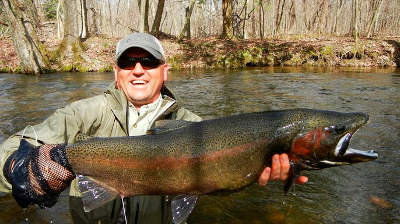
(119, 103)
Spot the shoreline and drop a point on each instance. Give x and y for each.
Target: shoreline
(215, 53)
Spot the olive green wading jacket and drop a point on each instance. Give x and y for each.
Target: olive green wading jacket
(100, 116)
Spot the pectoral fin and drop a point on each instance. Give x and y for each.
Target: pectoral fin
(94, 194)
(182, 206)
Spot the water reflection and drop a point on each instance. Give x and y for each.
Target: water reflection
(336, 195)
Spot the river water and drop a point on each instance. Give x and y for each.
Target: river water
(361, 193)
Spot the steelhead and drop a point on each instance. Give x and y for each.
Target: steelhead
(228, 153)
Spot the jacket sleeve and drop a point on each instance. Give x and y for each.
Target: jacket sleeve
(61, 127)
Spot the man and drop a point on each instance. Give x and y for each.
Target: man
(129, 106)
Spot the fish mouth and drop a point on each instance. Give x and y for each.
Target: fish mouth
(343, 154)
(350, 155)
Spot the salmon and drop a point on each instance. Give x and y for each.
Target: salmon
(223, 154)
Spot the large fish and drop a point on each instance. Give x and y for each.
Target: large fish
(229, 153)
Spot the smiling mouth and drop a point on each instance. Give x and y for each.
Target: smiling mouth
(139, 82)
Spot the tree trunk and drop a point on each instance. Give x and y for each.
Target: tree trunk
(261, 19)
(186, 28)
(322, 15)
(374, 19)
(60, 19)
(355, 20)
(244, 20)
(31, 13)
(338, 11)
(84, 27)
(279, 17)
(144, 16)
(227, 19)
(30, 51)
(155, 29)
(70, 51)
(292, 15)
(253, 21)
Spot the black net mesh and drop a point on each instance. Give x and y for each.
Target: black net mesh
(48, 174)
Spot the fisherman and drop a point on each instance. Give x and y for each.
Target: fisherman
(129, 107)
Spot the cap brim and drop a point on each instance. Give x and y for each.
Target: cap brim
(151, 50)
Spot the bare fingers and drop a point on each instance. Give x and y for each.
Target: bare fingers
(279, 170)
(302, 180)
(285, 166)
(264, 177)
(275, 168)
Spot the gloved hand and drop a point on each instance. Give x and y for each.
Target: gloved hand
(38, 174)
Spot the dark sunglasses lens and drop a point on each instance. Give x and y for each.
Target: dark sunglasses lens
(130, 63)
(150, 62)
(126, 63)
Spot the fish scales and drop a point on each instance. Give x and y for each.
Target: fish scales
(189, 160)
(219, 154)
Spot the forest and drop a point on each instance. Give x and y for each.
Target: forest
(40, 36)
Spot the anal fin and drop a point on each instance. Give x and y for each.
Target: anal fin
(182, 206)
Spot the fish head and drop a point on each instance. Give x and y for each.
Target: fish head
(324, 140)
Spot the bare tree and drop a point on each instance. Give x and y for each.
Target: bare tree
(83, 20)
(374, 19)
(261, 18)
(157, 20)
(230, 18)
(292, 15)
(339, 7)
(71, 50)
(186, 28)
(244, 20)
(279, 15)
(227, 23)
(144, 15)
(32, 55)
(60, 19)
(355, 20)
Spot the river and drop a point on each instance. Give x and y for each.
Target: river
(361, 193)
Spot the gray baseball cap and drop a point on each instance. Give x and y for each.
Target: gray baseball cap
(142, 40)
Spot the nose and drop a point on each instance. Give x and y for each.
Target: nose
(138, 70)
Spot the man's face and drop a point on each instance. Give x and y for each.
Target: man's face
(141, 84)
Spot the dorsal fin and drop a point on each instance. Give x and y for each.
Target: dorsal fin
(81, 137)
(162, 126)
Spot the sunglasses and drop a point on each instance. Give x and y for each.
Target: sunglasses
(129, 63)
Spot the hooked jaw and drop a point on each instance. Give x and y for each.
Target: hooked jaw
(344, 155)
(330, 145)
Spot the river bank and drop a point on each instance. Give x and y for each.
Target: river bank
(212, 52)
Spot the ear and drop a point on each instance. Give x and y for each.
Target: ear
(116, 69)
(165, 72)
